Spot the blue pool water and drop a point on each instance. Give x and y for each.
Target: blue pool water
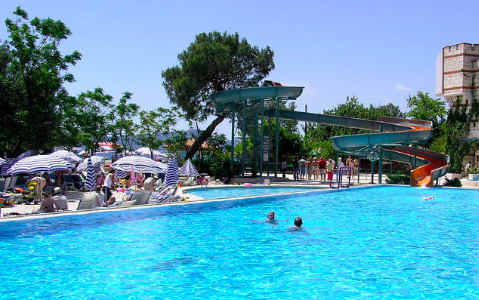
(367, 243)
(231, 192)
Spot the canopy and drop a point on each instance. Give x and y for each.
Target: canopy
(95, 161)
(39, 163)
(171, 177)
(145, 151)
(67, 155)
(188, 169)
(139, 164)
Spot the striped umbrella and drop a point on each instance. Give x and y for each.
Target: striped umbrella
(120, 173)
(95, 160)
(8, 162)
(171, 177)
(139, 164)
(188, 169)
(67, 155)
(39, 163)
(90, 182)
(132, 174)
(25, 154)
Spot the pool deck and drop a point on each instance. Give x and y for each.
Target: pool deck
(74, 197)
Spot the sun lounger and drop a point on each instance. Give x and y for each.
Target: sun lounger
(168, 195)
(87, 201)
(141, 198)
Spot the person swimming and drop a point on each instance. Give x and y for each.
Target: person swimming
(270, 218)
(428, 198)
(298, 222)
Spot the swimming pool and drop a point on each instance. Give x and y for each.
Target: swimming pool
(373, 243)
(241, 191)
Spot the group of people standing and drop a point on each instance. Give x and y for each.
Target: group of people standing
(314, 169)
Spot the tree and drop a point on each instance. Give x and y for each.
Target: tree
(423, 107)
(123, 127)
(154, 124)
(32, 74)
(354, 109)
(91, 118)
(213, 63)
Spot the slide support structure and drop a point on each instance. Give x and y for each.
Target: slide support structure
(232, 139)
(261, 140)
(243, 150)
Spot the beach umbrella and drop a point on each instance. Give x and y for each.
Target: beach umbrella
(26, 154)
(39, 163)
(188, 169)
(6, 164)
(68, 156)
(145, 152)
(90, 182)
(171, 177)
(132, 174)
(120, 173)
(95, 160)
(139, 164)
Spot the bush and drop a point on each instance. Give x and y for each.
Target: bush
(456, 182)
(398, 178)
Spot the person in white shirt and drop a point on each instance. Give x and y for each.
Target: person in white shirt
(108, 185)
(60, 199)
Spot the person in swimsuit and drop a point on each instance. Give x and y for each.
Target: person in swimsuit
(48, 204)
(298, 222)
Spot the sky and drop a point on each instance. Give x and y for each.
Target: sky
(378, 51)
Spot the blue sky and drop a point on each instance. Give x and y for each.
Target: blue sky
(379, 51)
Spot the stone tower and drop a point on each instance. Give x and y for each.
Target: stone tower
(457, 77)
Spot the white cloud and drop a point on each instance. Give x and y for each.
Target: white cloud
(401, 87)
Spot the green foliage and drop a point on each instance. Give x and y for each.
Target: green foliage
(213, 63)
(457, 129)
(423, 107)
(155, 123)
(216, 160)
(88, 118)
(351, 108)
(176, 142)
(32, 76)
(123, 127)
(456, 182)
(473, 170)
(398, 178)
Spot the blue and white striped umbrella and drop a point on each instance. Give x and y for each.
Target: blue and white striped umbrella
(120, 173)
(90, 182)
(39, 163)
(95, 160)
(188, 169)
(139, 164)
(67, 155)
(7, 163)
(171, 177)
(25, 154)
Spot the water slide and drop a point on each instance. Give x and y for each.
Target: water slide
(393, 133)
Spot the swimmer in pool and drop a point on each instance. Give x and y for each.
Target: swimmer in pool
(270, 219)
(428, 198)
(298, 222)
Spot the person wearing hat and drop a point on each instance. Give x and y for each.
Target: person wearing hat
(60, 199)
(340, 163)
